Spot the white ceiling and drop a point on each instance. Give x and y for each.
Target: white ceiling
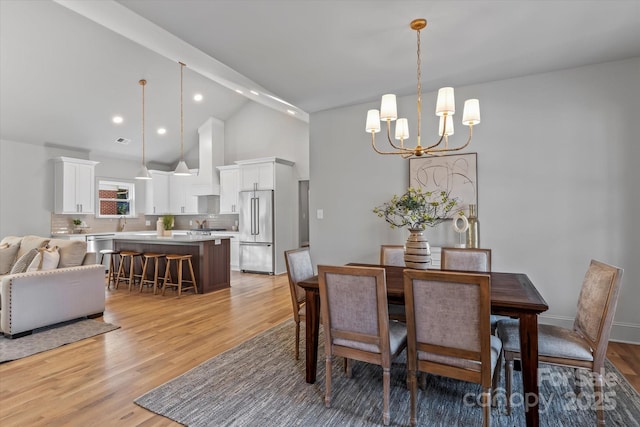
(63, 75)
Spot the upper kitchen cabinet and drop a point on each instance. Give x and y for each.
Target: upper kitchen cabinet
(229, 180)
(182, 198)
(157, 193)
(74, 186)
(260, 174)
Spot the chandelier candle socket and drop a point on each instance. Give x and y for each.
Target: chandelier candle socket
(445, 109)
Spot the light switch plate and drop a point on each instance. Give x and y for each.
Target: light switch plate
(320, 213)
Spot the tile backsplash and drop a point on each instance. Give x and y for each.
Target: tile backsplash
(63, 224)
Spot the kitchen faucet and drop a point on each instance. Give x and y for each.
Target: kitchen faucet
(123, 220)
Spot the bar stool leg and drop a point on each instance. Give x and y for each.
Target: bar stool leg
(144, 272)
(132, 268)
(180, 262)
(193, 276)
(120, 271)
(167, 276)
(111, 275)
(155, 275)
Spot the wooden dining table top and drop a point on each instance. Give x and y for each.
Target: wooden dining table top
(509, 291)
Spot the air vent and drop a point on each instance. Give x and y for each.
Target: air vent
(123, 141)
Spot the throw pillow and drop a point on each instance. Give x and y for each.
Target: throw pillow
(24, 261)
(8, 254)
(29, 242)
(71, 251)
(46, 259)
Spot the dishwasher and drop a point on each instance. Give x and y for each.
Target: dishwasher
(98, 242)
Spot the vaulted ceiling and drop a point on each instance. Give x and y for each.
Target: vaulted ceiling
(69, 66)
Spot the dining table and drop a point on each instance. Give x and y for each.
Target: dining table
(512, 294)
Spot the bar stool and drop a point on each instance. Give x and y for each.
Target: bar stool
(179, 260)
(128, 273)
(155, 258)
(111, 275)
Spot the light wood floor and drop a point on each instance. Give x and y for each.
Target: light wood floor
(94, 381)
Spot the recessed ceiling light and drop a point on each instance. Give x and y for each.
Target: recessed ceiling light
(255, 92)
(162, 131)
(197, 97)
(117, 119)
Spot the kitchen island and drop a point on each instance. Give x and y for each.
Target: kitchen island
(211, 255)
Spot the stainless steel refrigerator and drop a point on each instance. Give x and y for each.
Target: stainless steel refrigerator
(256, 231)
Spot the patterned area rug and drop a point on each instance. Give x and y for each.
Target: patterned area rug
(50, 337)
(259, 383)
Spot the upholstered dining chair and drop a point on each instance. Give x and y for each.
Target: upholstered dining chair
(466, 259)
(394, 255)
(583, 346)
(472, 260)
(448, 331)
(299, 267)
(353, 301)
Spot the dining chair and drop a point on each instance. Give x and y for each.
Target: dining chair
(448, 331)
(394, 255)
(466, 259)
(299, 267)
(356, 322)
(583, 346)
(472, 260)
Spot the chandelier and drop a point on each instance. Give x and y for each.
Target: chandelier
(445, 109)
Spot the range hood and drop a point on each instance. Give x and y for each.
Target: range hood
(211, 155)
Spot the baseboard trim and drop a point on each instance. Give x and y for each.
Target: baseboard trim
(620, 332)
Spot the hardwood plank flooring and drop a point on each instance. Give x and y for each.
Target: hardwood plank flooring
(94, 381)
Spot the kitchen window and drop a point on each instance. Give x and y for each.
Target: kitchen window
(116, 199)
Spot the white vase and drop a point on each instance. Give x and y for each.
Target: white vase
(417, 253)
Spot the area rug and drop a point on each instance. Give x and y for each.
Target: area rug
(51, 337)
(259, 383)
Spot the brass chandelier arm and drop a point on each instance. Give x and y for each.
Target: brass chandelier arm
(462, 147)
(404, 151)
(391, 141)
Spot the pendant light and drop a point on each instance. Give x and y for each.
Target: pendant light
(182, 168)
(144, 172)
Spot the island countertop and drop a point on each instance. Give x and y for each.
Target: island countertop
(173, 240)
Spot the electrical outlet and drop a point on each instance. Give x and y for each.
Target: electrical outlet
(320, 214)
(190, 222)
(147, 223)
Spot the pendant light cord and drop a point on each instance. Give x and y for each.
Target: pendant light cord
(143, 83)
(182, 65)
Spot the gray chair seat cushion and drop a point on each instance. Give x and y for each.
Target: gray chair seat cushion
(496, 346)
(553, 341)
(397, 339)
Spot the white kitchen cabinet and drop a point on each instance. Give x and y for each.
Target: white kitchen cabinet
(181, 194)
(157, 193)
(257, 176)
(229, 187)
(74, 186)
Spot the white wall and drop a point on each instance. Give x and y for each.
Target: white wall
(556, 181)
(257, 131)
(26, 184)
